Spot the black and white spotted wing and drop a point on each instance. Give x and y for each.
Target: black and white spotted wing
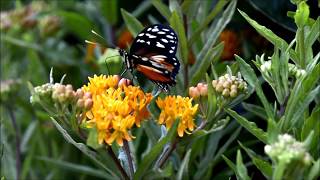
(153, 54)
(158, 39)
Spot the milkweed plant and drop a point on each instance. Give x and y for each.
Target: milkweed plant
(132, 130)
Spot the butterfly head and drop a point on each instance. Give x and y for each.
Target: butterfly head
(125, 56)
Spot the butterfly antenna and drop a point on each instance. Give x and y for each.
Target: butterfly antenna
(90, 42)
(95, 33)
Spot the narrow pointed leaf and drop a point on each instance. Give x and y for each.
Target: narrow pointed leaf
(133, 24)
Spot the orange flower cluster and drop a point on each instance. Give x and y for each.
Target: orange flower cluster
(177, 107)
(116, 109)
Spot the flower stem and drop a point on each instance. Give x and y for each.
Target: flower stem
(129, 158)
(115, 159)
(18, 151)
(167, 154)
(186, 76)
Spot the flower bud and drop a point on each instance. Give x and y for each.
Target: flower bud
(55, 95)
(79, 93)
(193, 92)
(233, 87)
(203, 89)
(62, 98)
(87, 95)
(233, 93)
(219, 87)
(70, 94)
(80, 103)
(214, 83)
(225, 92)
(59, 88)
(88, 104)
(226, 84)
(69, 87)
(124, 82)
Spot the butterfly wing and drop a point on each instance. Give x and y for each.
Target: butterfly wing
(153, 54)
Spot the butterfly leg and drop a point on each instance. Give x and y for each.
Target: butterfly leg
(125, 70)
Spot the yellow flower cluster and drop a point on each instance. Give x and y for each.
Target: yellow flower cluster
(116, 109)
(177, 107)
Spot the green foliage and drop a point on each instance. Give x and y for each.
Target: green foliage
(295, 90)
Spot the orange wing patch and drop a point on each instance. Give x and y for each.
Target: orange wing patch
(153, 73)
(160, 59)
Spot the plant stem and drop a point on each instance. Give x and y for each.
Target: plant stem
(115, 159)
(129, 158)
(167, 154)
(186, 78)
(301, 47)
(201, 126)
(18, 151)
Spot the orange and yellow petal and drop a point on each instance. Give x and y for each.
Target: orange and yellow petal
(115, 109)
(177, 107)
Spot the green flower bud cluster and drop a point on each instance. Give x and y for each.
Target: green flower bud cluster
(7, 88)
(293, 69)
(62, 94)
(287, 150)
(230, 86)
(42, 92)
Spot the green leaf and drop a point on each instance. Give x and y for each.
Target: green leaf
(241, 168)
(231, 165)
(27, 135)
(303, 105)
(177, 24)
(133, 24)
(264, 166)
(77, 168)
(313, 34)
(302, 14)
(198, 69)
(270, 36)
(183, 170)
(110, 62)
(314, 172)
(219, 125)
(249, 75)
(147, 161)
(92, 139)
(162, 8)
(21, 43)
(312, 123)
(217, 9)
(165, 173)
(255, 109)
(77, 24)
(250, 126)
(36, 71)
(215, 33)
(212, 157)
(109, 10)
(212, 99)
(297, 99)
(83, 148)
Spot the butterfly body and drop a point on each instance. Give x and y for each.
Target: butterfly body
(153, 54)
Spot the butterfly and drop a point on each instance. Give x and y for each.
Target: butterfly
(152, 53)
